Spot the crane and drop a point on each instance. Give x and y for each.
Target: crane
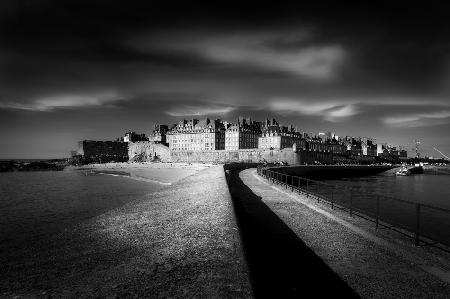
(445, 156)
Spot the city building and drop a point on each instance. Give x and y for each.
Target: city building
(158, 134)
(195, 135)
(132, 136)
(274, 136)
(242, 135)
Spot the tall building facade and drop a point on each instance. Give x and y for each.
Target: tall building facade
(274, 136)
(242, 135)
(195, 135)
(158, 134)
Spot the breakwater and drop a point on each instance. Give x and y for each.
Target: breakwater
(418, 218)
(375, 263)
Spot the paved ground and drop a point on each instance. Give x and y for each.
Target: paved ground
(281, 264)
(182, 241)
(371, 262)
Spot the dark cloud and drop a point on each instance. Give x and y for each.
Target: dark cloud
(91, 69)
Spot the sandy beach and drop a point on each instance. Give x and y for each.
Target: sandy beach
(161, 173)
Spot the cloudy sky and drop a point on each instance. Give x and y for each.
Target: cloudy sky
(73, 70)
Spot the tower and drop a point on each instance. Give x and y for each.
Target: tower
(417, 141)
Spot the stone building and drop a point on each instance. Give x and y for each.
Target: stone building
(242, 135)
(195, 135)
(158, 134)
(369, 148)
(274, 136)
(132, 136)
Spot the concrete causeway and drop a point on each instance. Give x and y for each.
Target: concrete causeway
(182, 241)
(203, 238)
(374, 265)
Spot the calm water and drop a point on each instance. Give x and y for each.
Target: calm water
(428, 190)
(432, 190)
(37, 204)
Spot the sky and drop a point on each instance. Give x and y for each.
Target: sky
(74, 70)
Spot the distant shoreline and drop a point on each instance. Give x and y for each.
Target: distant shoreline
(134, 165)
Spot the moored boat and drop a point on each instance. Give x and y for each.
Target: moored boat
(403, 172)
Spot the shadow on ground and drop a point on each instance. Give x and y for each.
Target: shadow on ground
(280, 263)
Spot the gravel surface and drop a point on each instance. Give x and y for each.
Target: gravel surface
(375, 266)
(182, 241)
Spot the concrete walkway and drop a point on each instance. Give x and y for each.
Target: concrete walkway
(372, 265)
(182, 241)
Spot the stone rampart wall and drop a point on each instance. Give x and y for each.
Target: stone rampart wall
(103, 151)
(148, 151)
(230, 156)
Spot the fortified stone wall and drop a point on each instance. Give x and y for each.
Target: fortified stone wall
(103, 151)
(229, 156)
(147, 151)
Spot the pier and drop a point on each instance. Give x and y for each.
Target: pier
(375, 264)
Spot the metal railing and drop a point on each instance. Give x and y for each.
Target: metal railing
(426, 224)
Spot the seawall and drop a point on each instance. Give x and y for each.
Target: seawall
(148, 151)
(286, 155)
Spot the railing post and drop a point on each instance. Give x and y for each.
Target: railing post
(351, 203)
(307, 183)
(317, 192)
(378, 212)
(417, 224)
(332, 200)
(292, 183)
(298, 183)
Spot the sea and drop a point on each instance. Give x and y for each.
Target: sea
(35, 205)
(418, 202)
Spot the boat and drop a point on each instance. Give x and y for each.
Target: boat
(403, 172)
